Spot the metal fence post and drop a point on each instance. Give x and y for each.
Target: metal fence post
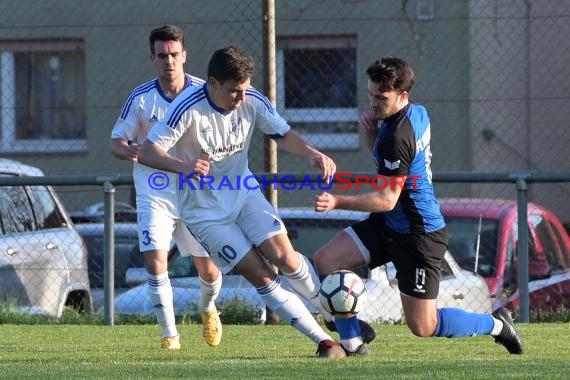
(522, 200)
(269, 146)
(109, 275)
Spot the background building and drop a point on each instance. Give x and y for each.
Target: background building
(493, 74)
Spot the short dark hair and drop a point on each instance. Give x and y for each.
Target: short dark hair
(391, 73)
(165, 33)
(230, 63)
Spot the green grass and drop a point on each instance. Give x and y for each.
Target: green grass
(270, 352)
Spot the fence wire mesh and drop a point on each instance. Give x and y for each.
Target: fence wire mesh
(492, 74)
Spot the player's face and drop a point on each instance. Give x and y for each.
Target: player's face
(169, 59)
(229, 95)
(385, 104)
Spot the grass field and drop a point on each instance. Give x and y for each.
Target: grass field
(270, 352)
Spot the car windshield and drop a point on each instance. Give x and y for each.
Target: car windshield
(473, 243)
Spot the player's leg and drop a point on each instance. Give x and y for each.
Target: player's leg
(262, 225)
(160, 293)
(418, 281)
(210, 283)
(154, 241)
(342, 252)
(284, 303)
(425, 319)
(357, 245)
(233, 250)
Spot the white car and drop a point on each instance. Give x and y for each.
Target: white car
(309, 230)
(127, 255)
(43, 261)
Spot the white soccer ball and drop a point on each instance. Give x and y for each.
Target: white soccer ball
(343, 292)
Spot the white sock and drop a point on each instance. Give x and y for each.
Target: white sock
(497, 328)
(305, 281)
(326, 315)
(160, 293)
(351, 344)
(208, 293)
(292, 310)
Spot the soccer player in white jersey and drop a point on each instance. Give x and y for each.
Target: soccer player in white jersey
(158, 220)
(211, 128)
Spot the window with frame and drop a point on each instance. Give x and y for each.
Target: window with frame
(317, 91)
(16, 214)
(48, 215)
(548, 242)
(42, 96)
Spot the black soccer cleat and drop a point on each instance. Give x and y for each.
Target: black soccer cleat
(367, 332)
(508, 337)
(330, 349)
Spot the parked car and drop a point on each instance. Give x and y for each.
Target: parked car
(43, 261)
(95, 213)
(483, 238)
(127, 255)
(308, 231)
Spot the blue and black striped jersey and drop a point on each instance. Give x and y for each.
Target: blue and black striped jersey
(402, 148)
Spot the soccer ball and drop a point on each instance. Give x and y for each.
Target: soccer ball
(342, 292)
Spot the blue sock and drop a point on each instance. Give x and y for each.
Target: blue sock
(348, 328)
(456, 323)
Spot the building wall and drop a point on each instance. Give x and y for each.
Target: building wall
(498, 67)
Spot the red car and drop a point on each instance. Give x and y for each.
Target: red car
(483, 238)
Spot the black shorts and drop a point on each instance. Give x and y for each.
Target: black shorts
(418, 257)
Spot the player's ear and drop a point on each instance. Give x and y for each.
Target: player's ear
(404, 96)
(213, 82)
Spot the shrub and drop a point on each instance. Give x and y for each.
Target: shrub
(237, 311)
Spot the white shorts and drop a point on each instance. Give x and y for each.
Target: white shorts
(229, 243)
(156, 231)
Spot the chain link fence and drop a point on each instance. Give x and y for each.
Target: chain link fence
(492, 74)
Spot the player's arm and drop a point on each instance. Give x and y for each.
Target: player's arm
(293, 143)
(155, 156)
(398, 149)
(121, 149)
(377, 201)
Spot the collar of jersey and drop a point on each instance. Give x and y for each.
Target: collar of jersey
(187, 83)
(215, 107)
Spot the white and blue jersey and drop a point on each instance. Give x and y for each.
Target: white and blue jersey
(402, 148)
(146, 105)
(195, 126)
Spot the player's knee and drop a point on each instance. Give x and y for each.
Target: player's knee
(208, 276)
(420, 328)
(156, 262)
(323, 263)
(287, 260)
(207, 270)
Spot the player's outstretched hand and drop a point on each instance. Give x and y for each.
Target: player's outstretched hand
(325, 202)
(325, 163)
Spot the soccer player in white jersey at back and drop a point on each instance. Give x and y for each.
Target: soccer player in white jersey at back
(211, 128)
(158, 220)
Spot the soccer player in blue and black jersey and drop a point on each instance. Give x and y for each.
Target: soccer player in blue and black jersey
(405, 225)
